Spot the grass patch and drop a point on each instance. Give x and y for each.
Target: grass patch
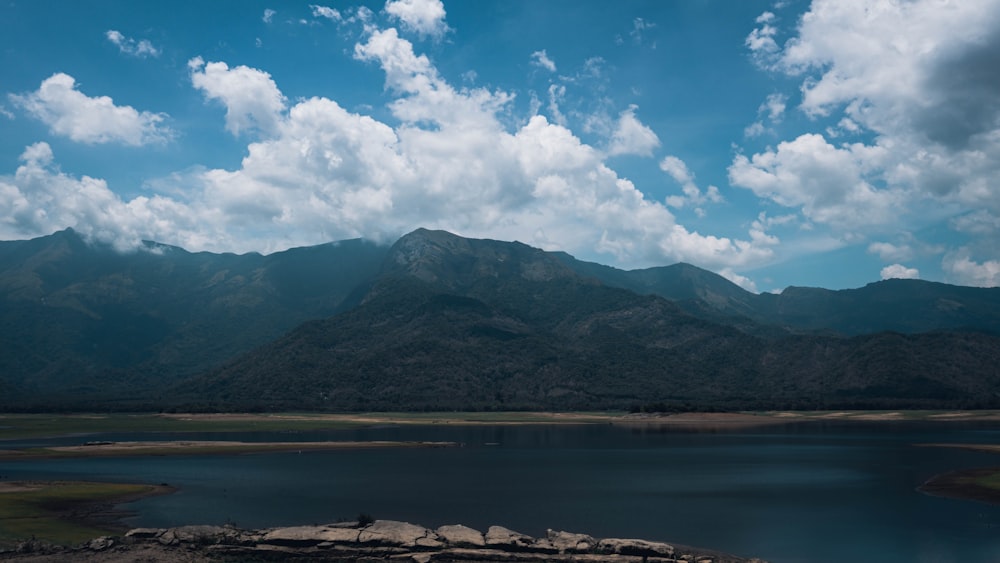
(990, 481)
(56, 512)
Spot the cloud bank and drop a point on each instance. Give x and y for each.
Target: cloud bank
(316, 171)
(916, 83)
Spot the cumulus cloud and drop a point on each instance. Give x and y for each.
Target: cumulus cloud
(920, 64)
(541, 59)
(914, 73)
(979, 222)
(917, 81)
(71, 113)
(962, 269)
(761, 42)
(39, 199)
(252, 99)
(899, 271)
(324, 173)
(451, 163)
(631, 136)
(142, 48)
(891, 252)
(268, 15)
(830, 184)
(678, 170)
(425, 17)
(740, 280)
(325, 12)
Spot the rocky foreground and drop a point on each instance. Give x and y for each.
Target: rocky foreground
(381, 540)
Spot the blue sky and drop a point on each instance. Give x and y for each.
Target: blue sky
(821, 143)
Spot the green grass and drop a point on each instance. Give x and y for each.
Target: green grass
(42, 513)
(991, 481)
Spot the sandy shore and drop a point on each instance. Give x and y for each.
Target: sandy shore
(364, 419)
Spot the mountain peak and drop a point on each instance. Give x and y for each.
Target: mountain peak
(444, 258)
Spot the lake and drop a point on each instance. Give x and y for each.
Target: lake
(810, 492)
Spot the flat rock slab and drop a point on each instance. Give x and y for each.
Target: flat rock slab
(389, 540)
(635, 547)
(461, 536)
(567, 542)
(498, 536)
(402, 534)
(310, 535)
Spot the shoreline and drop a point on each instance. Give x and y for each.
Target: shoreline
(373, 540)
(25, 426)
(66, 512)
(199, 447)
(111, 541)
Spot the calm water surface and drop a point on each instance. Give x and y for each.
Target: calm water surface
(813, 492)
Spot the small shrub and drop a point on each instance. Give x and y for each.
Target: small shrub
(365, 519)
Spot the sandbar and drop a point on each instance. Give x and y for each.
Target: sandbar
(198, 447)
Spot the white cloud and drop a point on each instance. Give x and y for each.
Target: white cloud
(71, 113)
(761, 42)
(142, 48)
(774, 106)
(556, 93)
(541, 59)
(678, 170)
(252, 99)
(639, 27)
(325, 173)
(961, 269)
(325, 12)
(979, 222)
(742, 281)
(917, 81)
(268, 15)
(891, 252)
(899, 271)
(919, 74)
(631, 136)
(773, 110)
(919, 63)
(39, 199)
(828, 183)
(426, 17)
(755, 129)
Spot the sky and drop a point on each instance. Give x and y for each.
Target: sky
(830, 143)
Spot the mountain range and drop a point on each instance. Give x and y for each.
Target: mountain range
(437, 321)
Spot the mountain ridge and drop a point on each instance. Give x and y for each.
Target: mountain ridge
(82, 323)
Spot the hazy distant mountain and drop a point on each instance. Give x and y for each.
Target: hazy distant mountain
(453, 323)
(80, 319)
(907, 306)
(440, 321)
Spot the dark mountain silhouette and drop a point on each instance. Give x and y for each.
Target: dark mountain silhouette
(83, 320)
(453, 323)
(439, 321)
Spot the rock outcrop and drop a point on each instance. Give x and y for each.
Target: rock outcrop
(383, 540)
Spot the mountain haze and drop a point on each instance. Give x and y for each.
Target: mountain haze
(85, 319)
(439, 321)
